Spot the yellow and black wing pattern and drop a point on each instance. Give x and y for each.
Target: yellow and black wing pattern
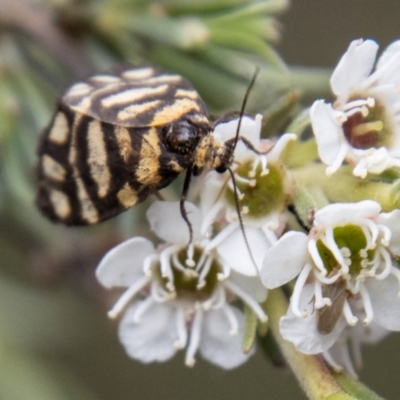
(114, 139)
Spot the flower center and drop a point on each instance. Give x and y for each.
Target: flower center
(195, 283)
(352, 243)
(365, 126)
(261, 190)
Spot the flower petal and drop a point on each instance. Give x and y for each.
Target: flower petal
(340, 213)
(251, 285)
(303, 333)
(234, 252)
(249, 128)
(212, 189)
(284, 260)
(354, 66)
(388, 66)
(166, 221)
(392, 221)
(217, 345)
(373, 333)
(123, 265)
(385, 302)
(327, 130)
(152, 339)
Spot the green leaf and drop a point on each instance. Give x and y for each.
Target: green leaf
(278, 116)
(250, 329)
(355, 387)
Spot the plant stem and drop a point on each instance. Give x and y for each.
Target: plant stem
(311, 372)
(311, 80)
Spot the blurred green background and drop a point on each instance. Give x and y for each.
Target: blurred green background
(55, 339)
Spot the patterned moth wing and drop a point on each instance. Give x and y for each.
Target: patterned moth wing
(115, 139)
(328, 316)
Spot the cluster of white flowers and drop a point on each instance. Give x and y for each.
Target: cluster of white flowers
(363, 125)
(346, 280)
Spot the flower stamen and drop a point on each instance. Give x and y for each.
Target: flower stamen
(142, 308)
(232, 320)
(298, 287)
(194, 340)
(367, 305)
(348, 314)
(181, 330)
(127, 296)
(248, 299)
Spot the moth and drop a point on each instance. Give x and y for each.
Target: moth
(328, 316)
(116, 138)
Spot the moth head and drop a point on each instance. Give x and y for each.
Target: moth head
(182, 137)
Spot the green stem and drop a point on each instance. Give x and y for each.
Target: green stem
(312, 81)
(299, 153)
(343, 187)
(311, 372)
(355, 388)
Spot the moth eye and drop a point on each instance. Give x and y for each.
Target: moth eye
(182, 137)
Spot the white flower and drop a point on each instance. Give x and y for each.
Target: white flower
(174, 302)
(261, 186)
(348, 256)
(345, 354)
(363, 125)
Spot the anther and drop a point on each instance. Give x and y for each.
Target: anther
(370, 102)
(363, 253)
(221, 276)
(367, 321)
(200, 285)
(364, 111)
(345, 251)
(353, 321)
(170, 286)
(190, 263)
(112, 315)
(178, 345)
(264, 319)
(341, 117)
(327, 301)
(245, 210)
(190, 273)
(190, 362)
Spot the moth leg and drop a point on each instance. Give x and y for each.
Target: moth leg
(159, 196)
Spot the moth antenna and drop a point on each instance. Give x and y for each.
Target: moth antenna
(235, 194)
(184, 213)
(246, 96)
(236, 197)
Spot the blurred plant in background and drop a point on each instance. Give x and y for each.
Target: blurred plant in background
(47, 45)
